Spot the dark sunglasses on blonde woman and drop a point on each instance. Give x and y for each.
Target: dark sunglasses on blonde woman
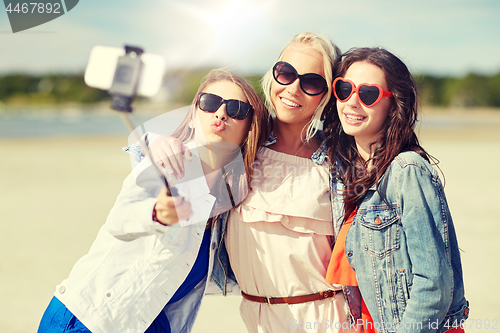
(311, 83)
(234, 108)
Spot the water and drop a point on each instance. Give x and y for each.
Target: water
(76, 122)
(53, 122)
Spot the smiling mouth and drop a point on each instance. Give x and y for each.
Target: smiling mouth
(289, 102)
(353, 117)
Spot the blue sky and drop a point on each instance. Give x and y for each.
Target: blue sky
(441, 37)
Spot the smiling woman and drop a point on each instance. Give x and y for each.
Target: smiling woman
(394, 202)
(280, 239)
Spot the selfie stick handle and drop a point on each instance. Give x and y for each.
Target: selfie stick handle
(123, 90)
(126, 120)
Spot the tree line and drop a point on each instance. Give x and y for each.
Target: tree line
(471, 90)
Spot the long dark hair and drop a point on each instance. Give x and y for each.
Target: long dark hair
(398, 134)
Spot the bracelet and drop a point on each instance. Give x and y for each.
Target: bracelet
(156, 219)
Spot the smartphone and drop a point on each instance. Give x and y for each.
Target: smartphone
(102, 66)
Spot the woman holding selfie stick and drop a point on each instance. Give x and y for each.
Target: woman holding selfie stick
(145, 272)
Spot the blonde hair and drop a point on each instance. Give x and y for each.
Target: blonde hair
(331, 55)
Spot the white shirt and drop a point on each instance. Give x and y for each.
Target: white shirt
(135, 266)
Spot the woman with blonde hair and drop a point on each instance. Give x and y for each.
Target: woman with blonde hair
(279, 240)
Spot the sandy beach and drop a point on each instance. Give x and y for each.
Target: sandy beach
(57, 192)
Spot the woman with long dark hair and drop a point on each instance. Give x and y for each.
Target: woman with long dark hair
(397, 228)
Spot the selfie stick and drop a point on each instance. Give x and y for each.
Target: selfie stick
(123, 91)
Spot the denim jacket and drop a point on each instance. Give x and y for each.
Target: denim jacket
(403, 247)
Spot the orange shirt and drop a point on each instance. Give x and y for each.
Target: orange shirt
(340, 272)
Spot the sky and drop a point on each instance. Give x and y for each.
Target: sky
(438, 37)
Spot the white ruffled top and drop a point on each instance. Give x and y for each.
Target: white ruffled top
(279, 242)
(291, 190)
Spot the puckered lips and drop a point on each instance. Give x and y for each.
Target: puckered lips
(218, 126)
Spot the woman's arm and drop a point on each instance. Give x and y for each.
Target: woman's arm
(145, 210)
(424, 221)
(142, 207)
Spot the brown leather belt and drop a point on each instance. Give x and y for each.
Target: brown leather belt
(292, 299)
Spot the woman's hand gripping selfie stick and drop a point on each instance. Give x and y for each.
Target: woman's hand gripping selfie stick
(171, 191)
(129, 69)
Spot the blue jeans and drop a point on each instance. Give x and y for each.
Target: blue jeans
(57, 318)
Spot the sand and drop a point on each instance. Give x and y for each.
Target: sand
(56, 193)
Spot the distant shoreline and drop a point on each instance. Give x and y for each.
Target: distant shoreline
(148, 108)
(160, 107)
(100, 120)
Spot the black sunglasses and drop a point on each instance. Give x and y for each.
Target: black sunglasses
(311, 83)
(234, 108)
